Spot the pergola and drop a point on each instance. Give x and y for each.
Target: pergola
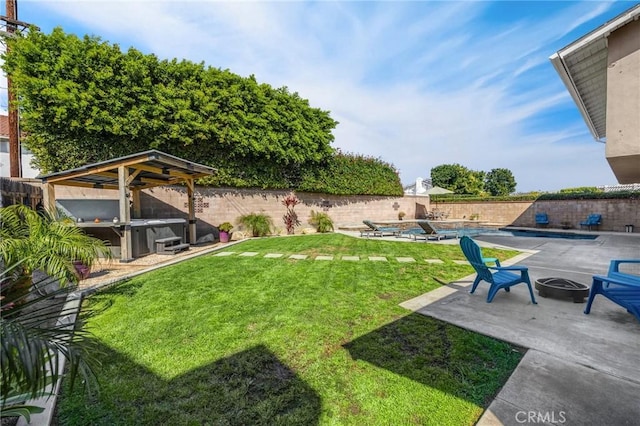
(129, 175)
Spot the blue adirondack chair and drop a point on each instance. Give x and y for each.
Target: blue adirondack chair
(620, 292)
(542, 219)
(592, 220)
(498, 277)
(626, 277)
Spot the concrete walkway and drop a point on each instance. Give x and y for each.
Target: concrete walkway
(580, 369)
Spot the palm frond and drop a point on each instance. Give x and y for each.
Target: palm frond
(33, 340)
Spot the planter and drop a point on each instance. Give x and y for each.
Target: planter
(225, 237)
(82, 270)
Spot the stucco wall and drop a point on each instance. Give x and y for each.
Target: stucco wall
(623, 103)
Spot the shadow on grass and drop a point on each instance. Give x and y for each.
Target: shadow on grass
(250, 387)
(456, 361)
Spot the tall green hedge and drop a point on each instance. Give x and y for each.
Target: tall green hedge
(453, 198)
(347, 174)
(83, 100)
(591, 195)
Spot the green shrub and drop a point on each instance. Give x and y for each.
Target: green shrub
(321, 221)
(259, 223)
(225, 227)
(454, 198)
(591, 195)
(351, 174)
(581, 189)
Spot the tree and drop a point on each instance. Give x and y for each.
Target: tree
(458, 179)
(500, 182)
(82, 100)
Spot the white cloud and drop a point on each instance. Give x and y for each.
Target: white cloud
(416, 83)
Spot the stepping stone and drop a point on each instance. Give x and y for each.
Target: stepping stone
(433, 261)
(298, 256)
(352, 258)
(324, 257)
(225, 253)
(273, 255)
(249, 253)
(461, 262)
(377, 258)
(405, 259)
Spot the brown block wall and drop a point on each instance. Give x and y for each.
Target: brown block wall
(217, 205)
(498, 212)
(616, 214)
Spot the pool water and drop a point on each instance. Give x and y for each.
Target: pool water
(525, 233)
(553, 234)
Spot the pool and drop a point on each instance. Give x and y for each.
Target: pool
(471, 232)
(552, 234)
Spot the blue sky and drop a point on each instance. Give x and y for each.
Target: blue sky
(418, 84)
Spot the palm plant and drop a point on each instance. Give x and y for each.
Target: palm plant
(33, 342)
(40, 241)
(259, 223)
(321, 221)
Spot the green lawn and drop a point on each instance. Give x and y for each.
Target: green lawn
(238, 340)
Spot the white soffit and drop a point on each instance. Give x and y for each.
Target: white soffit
(582, 67)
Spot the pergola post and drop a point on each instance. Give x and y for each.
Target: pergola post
(125, 216)
(192, 210)
(137, 207)
(49, 197)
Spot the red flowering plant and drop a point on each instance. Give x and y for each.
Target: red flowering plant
(290, 218)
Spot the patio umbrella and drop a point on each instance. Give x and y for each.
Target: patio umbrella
(438, 190)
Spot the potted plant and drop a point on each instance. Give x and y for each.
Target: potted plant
(225, 231)
(401, 215)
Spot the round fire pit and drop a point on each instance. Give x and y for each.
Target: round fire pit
(562, 288)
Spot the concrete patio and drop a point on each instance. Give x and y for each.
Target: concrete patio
(579, 369)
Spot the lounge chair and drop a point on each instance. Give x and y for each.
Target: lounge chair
(411, 232)
(620, 293)
(502, 278)
(431, 232)
(378, 231)
(542, 219)
(592, 220)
